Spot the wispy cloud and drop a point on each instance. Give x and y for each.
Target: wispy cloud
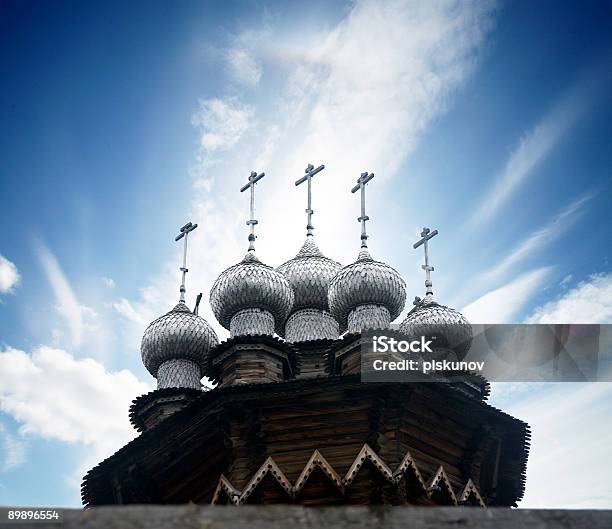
(533, 148)
(77, 316)
(589, 302)
(13, 453)
(243, 66)
(538, 239)
(221, 122)
(241, 55)
(108, 281)
(9, 276)
(124, 308)
(503, 304)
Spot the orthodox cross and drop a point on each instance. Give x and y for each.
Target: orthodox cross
(426, 234)
(253, 179)
(361, 183)
(310, 172)
(184, 233)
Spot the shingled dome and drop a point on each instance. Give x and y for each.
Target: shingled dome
(179, 335)
(366, 282)
(451, 328)
(250, 284)
(309, 274)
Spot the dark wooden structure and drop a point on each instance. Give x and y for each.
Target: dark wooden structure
(295, 424)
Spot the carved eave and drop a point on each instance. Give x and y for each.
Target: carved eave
(227, 490)
(268, 468)
(409, 470)
(317, 461)
(469, 495)
(366, 454)
(437, 490)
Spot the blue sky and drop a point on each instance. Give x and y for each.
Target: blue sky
(488, 121)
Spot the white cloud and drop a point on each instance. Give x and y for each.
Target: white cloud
(125, 309)
(9, 276)
(569, 464)
(55, 396)
(589, 302)
(108, 281)
(12, 453)
(503, 304)
(566, 280)
(221, 122)
(243, 66)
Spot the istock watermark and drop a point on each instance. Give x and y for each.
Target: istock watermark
(388, 344)
(499, 353)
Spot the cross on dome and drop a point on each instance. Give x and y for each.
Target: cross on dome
(310, 172)
(426, 235)
(184, 233)
(253, 179)
(361, 183)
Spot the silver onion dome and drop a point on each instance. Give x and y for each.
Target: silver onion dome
(366, 282)
(251, 284)
(177, 335)
(429, 318)
(309, 274)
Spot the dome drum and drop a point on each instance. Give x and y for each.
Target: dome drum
(368, 317)
(179, 373)
(311, 324)
(252, 322)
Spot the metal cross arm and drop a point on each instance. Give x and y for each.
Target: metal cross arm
(426, 234)
(189, 227)
(310, 172)
(362, 181)
(253, 179)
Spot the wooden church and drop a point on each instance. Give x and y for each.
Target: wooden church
(289, 419)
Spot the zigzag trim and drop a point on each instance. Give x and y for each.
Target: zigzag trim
(470, 490)
(224, 486)
(364, 454)
(435, 484)
(408, 464)
(269, 467)
(438, 480)
(317, 461)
